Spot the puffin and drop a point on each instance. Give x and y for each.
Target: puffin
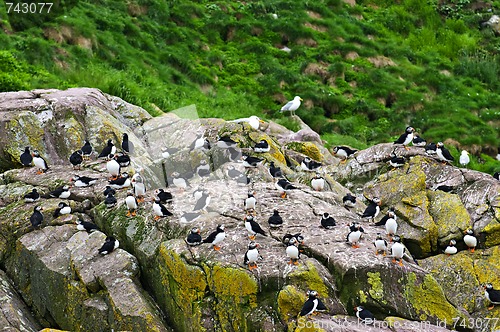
(250, 202)
(252, 256)
(491, 295)
(373, 209)
(418, 141)
(299, 239)
(108, 190)
(349, 201)
(445, 188)
(110, 148)
(275, 172)
(251, 162)
(189, 217)
(343, 152)
(62, 192)
(163, 196)
(430, 148)
(167, 152)
(380, 245)
(62, 208)
(309, 165)
(194, 237)
(470, 240)
(443, 154)
(87, 226)
(275, 220)
(396, 161)
(87, 150)
(497, 176)
(110, 201)
(26, 158)
(131, 203)
(354, 235)
(39, 162)
(451, 249)
(178, 181)
(327, 221)
(203, 201)
(292, 251)
(312, 304)
(291, 106)
(225, 142)
(233, 173)
(122, 159)
(397, 250)
(127, 146)
(364, 315)
(283, 186)
(406, 138)
(253, 228)
(113, 167)
(389, 215)
(391, 227)
(122, 182)
(32, 196)
(262, 146)
(138, 186)
(109, 245)
(464, 159)
(36, 217)
(203, 168)
(216, 237)
(233, 154)
(318, 182)
(82, 181)
(76, 159)
(159, 210)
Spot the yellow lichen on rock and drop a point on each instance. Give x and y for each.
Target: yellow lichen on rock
(290, 302)
(448, 213)
(377, 288)
(307, 148)
(307, 276)
(428, 300)
(492, 231)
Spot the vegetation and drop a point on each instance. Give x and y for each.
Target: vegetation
(364, 71)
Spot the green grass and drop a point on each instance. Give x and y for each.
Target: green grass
(365, 72)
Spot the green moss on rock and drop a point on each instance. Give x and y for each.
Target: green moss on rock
(290, 302)
(377, 288)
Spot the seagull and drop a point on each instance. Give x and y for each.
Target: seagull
(254, 121)
(464, 158)
(292, 105)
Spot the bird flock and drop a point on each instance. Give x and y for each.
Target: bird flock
(116, 161)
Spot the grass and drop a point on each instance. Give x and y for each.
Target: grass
(365, 71)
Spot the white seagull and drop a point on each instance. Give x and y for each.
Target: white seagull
(292, 105)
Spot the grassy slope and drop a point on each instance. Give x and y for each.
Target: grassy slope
(365, 72)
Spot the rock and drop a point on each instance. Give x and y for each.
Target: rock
(61, 258)
(200, 289)
(15, 316)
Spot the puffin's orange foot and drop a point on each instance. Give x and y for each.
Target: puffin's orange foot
(128, 213)
(401, 262)
(283, 195)
(296, 262)
(251, 237)
(384, 254)
(133, 213)
(355, 246)
(39, 172)
(491, 307)
(472, 250)
(217, 248)
(394, 260)
(376, 252)
(156, 217)
(290, 262)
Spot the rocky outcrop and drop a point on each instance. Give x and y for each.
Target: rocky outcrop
(156, 281)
